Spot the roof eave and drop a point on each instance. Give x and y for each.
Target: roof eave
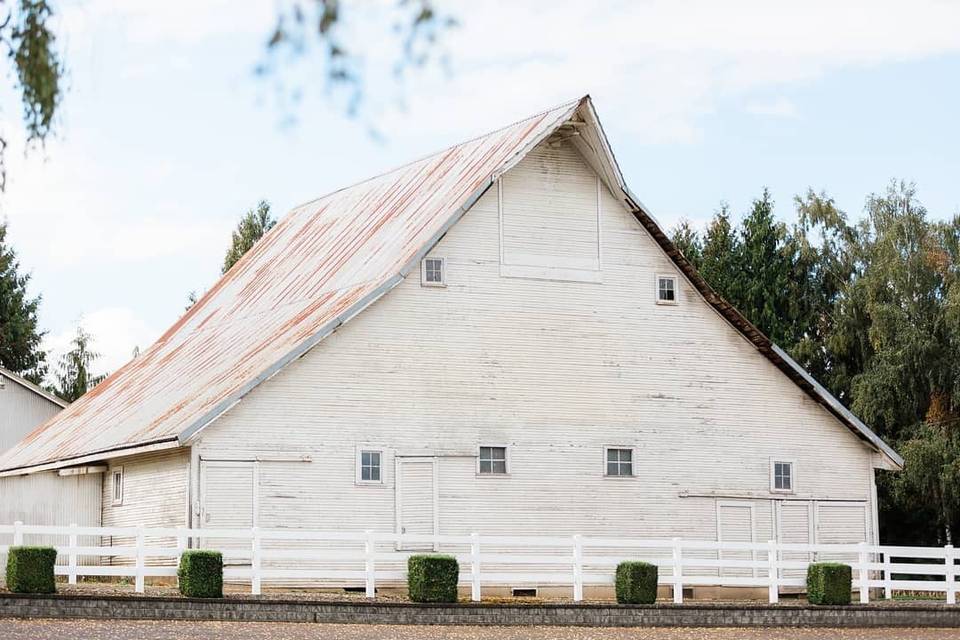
(26, 384)
(106, 454)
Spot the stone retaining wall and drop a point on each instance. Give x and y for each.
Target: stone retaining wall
(598, 615)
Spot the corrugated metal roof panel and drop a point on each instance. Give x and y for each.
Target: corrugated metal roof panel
(318, 263)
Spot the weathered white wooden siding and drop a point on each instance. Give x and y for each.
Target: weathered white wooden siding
(554, 368)
(154, 495)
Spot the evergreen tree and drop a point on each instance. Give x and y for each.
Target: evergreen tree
(719, 255)
(74, 370)
(20, 337)
(250, 229)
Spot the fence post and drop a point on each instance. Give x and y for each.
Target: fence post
(677, 571)
(951, 574)
(773, 573)
(17, 533)
(887, 578)
(255, 562)
(138, 568)
(72, 567)
(181, 547)
(577, 568)
(475, 567)
(370, 548)
(864, 575)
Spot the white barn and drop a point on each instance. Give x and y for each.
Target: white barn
(496, 338)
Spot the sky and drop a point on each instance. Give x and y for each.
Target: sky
(167, 135)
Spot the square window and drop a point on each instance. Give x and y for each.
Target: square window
(370, 466)
(117, 485)
(433, 272)
(782, 476)
(619, 462)
(493, 460)
(666, 290)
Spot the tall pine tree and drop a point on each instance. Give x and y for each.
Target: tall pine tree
(20, 336)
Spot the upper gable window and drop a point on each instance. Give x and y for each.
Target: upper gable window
(666, 290)
(433, 272)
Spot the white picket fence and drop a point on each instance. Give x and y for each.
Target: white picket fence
(369, 558)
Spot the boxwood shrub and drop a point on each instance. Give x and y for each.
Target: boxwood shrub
(201, 574)
(636, 583)
(30, 569)
(829, 583)
(432, 578)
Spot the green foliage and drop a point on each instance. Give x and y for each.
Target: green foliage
(74, 376)
(636, 583)
(432, 578)
(200, 574)
(30, 569)
(828, 583)
(252, 226)
(20, 338)
(31, 48)
(323, 28)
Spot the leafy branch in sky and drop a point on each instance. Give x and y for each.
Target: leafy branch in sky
(305, 25)
(30, 43)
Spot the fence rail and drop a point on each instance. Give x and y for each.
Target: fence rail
(370, 557)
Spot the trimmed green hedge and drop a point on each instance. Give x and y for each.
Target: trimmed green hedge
(829, 583)
(30, 569)
(201, 574)
(432, 578)
(636, 583)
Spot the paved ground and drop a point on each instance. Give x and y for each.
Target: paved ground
(150, 630)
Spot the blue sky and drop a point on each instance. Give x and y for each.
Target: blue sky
(166, 135)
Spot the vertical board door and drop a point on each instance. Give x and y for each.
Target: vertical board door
(795, 526)
(841, 523)
(736, 523)
(417, 499)
(227, 502)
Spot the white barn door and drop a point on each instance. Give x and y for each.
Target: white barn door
(841, 523)
(227, 501)
(794, 526)
(736, 522)
(417, 499)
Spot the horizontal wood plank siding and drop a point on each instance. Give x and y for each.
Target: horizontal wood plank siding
(555, 370)
(154, 495)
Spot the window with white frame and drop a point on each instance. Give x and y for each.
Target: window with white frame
(619, 462)
(781, 475)
(666, 290)
(433, 272)
(492, 461)
(117, 485)
(370, 466)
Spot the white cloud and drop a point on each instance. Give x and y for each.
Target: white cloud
(659, 66)
(778, 108)
(115, 332)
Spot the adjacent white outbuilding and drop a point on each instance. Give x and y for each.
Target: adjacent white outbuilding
(45, 498)
(498, 338)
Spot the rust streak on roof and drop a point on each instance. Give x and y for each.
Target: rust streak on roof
(319, 262)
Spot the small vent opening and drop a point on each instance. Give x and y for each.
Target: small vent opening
(524, 592)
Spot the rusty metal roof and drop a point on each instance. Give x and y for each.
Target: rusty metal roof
(321, 265)
(323, 262)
